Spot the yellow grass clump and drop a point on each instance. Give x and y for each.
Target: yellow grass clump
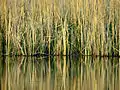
(60, 27)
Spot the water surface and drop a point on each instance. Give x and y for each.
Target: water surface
(59, 73)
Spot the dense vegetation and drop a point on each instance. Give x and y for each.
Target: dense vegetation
(60, 27)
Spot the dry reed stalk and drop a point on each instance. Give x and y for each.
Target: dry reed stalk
(84, 26)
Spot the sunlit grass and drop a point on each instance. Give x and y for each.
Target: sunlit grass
(60, 27)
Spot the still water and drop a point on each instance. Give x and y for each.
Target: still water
(59, 73)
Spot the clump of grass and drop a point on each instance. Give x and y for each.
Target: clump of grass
(60, 27)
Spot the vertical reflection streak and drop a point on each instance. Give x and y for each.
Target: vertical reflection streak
(58, 73)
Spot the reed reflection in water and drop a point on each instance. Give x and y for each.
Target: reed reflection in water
(59, 73)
